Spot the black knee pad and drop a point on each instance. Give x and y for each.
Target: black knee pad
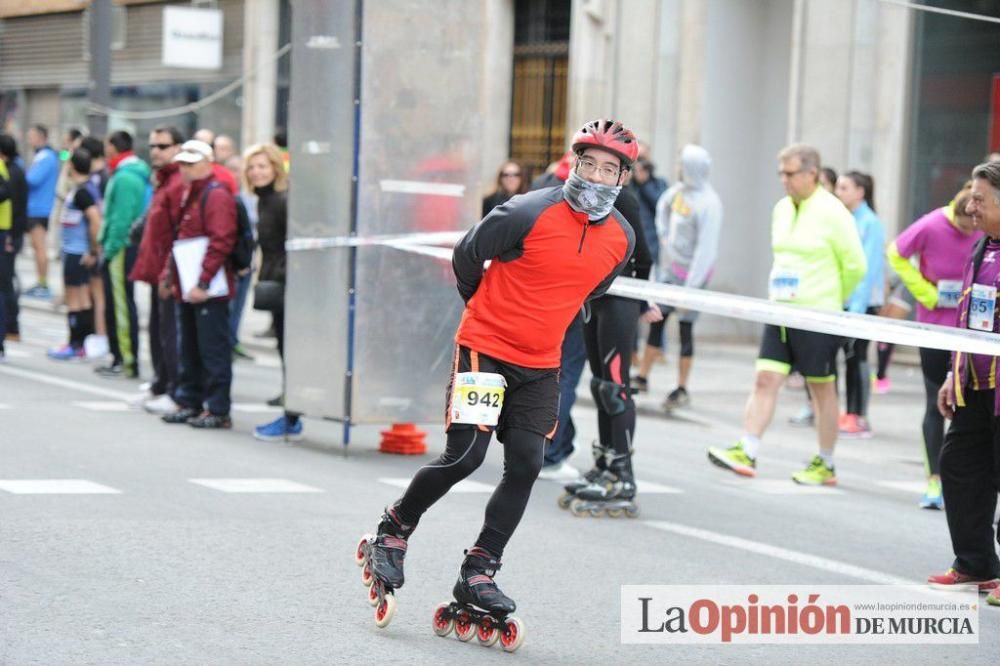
(608, 396)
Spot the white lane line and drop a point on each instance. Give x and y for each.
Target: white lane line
(255, 486)
(465, 486)
(266, 362)
(786, 554)
(908, 487)
(10, 352)
(56, 487)
(254, 408)
(648, 487)
(5, 406)
(64, 383)
(98, 406)
(782, 487)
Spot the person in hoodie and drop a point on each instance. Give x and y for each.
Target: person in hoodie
(10, 241)
(689, 224)
(42, 177)
(648, 188)
(128, 194)
(157, 237)
(857, 191)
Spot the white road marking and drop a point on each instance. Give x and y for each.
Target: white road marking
(5, 406)
(97, 406)
(908, 487)
(782, 487)
(778, 553)
(64, 383)
(11, 352)
(267, 362)
(254, 408)
(465, 486)
(648, 487)
(56, 487)
(255, 485)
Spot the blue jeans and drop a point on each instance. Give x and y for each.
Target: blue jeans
(236, 306)
(574, 356)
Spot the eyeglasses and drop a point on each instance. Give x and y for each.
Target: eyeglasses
(789, 174)
(587, 166)
(511, 174)
(161, 146)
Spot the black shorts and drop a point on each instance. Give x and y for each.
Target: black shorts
(42, 222)
(530, 401)
(75, 274)
(812, 354)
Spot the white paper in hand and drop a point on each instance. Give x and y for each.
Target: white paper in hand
(189, 254)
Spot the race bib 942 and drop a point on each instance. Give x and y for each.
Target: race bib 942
(477, 398)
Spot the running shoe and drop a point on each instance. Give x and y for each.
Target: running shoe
(932, 499)
(734, 459)
(278, 430)
(209, 421)
(241, 354)
(161, 404)
(66, 353)
(882, 386)
(39, 291)
(804, 419)
(640, 384)
(113, 370)
(678, 398)
(853, 426)
(561, 471)
(139, 400)
(278, 401)
(951, 578)
(993, 598)
(816, 474)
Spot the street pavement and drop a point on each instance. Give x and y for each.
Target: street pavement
(178, 546)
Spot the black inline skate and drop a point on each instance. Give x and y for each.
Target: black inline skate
(613, 492)
(480, 609)
(600, 464)
(381, 560)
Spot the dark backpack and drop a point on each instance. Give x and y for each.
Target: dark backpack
(241, 256)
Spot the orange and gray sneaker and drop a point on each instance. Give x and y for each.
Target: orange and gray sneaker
(993, 598)
(951, 578)
(853, 426)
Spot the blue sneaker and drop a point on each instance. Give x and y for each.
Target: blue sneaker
(66, 353)
(39, 291)
(279, 429)
(933, 499)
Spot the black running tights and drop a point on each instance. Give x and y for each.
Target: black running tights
(463, 454)
(934, 365)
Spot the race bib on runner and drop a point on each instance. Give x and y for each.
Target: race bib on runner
(783, 285)
(949, 291)
(477, 398)
(982, 307)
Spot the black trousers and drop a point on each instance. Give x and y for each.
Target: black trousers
(163, 344)
(970, 479)
(8, 294)
(463, 454)
(934, 366)
(206, 357)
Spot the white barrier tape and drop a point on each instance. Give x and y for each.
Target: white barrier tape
(423, 187)
(758, 310)
(431, 238)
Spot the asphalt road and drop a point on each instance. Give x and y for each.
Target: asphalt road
(183, 547)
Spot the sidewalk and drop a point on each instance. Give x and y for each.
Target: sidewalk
(253, 321)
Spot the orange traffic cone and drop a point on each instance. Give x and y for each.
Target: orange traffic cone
(404, 438)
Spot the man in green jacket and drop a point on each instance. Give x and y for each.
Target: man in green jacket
(818, 261)
(128, 194)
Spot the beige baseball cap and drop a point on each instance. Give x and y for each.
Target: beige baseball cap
(194, 151)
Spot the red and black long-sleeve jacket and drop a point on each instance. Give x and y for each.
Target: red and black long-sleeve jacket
(547, 261)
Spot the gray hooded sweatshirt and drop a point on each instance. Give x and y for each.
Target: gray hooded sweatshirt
(689, 223)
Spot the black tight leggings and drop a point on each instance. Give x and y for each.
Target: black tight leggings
(463, 454)
(609, 333)
(856, 378)
(934, 365)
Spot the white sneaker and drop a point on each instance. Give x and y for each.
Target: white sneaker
(139, 400)
(161, 404)
(561, 472)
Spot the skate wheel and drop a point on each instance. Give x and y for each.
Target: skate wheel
(632, 512)
(616, 513)
(442, 623)
(373, 599)
(359, 553)
(596, 512)
(512, 634)
(385, 610)
(565, 500)
(366, 575)
(488, 631)
(465, 628)
(578, 509)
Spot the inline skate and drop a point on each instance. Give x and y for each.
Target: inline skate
(381, 560)
(613, 492)
(600, 464)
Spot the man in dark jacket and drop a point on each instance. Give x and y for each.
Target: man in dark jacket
(12, 238)
(208, 212)
(157, 238)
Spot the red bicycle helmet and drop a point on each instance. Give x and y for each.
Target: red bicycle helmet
(609, 135)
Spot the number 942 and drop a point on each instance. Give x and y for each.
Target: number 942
(487, 398)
